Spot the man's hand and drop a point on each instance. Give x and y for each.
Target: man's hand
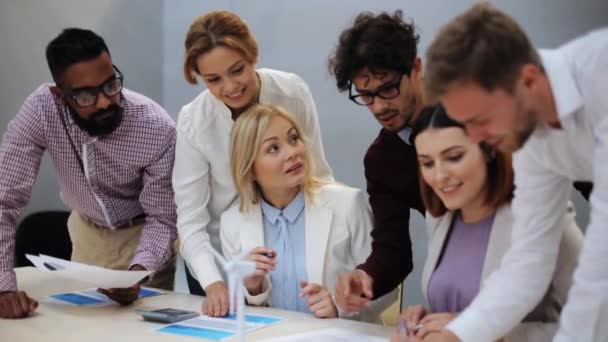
(412, 316)
(442, 335)
(354, 291)
(436, 322)
(216, 304)
(16, 304)
(319, 300)
(124, 296)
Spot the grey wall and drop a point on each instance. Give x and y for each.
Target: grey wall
(132, 29)
(146, 36)
(297, 36)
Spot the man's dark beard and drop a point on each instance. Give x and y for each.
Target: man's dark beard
(522, 135)
(524, 132)
(95, 126)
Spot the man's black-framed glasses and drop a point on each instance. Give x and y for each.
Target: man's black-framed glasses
(386, 91)
(86, 97)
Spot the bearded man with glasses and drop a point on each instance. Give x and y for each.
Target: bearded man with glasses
(376, 61)
(113, 150)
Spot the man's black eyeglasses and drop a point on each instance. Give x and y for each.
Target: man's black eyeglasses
(86, 97)
(387, 92)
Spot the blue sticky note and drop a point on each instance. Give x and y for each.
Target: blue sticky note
(256, 319)
(148, 293)
(183, 330)
(77, 299)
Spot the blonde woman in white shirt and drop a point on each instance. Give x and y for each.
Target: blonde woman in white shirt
(301, 231)
(221, 50)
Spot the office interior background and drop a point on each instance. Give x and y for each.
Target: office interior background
(145, 38)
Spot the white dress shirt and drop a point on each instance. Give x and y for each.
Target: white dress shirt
(201, 178)
(544, 171)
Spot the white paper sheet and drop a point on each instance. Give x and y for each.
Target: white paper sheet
(328, 335)
(95, 275)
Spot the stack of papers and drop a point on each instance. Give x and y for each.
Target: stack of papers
(217, 328)
(98, 276)
(91, 297)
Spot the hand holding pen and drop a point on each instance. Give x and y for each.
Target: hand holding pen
(410, 324)
(265, 262)
(412, 319)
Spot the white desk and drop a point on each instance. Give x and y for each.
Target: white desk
(57, 322)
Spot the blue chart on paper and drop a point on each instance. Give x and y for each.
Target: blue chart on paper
(215, 328)
(148, 293)
(77, 299)
(92, 297)
(183, 330)
(256, 319)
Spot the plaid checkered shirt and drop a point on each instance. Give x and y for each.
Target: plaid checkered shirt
(128, 171)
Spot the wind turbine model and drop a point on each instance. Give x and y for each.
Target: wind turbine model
(236, 270)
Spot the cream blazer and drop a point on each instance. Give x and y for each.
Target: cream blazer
(542, 323)
(338, 225)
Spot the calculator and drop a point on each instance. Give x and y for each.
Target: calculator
(166, 315)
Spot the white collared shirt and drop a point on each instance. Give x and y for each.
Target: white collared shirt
(202, 179)
(544, 171)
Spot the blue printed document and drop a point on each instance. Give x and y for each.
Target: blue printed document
(217, 328)
(91, 297)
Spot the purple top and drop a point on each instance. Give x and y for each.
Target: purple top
(457, 277)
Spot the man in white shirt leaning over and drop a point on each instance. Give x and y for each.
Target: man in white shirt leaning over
(551, 107)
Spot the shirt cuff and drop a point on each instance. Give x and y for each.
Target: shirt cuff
(204, 269)
(262, 298)
(363, 268)
(8, 281)
(469, 326)
(147, 260)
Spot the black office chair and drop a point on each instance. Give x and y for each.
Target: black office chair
(44, 232)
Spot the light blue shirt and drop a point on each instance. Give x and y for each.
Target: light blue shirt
(285, 232)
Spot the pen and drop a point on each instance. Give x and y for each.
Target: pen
(404, 330)
(269, 254)
(49, 266)
(52, 267)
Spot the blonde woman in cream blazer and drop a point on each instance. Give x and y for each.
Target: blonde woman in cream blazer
(542, 323)
(301, 231)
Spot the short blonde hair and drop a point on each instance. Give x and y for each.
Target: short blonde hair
(217, 28)
(245, 141)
